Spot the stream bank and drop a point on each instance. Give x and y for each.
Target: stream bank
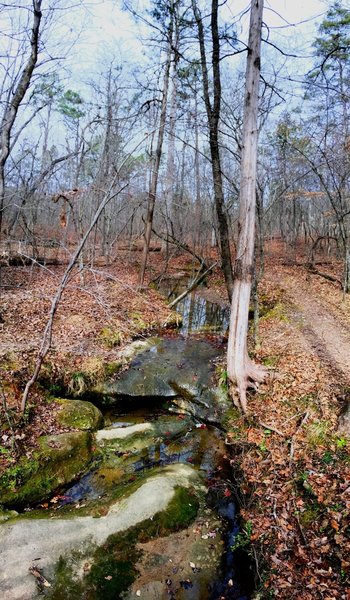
(154, 516)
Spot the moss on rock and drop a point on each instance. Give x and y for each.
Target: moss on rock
(80, 415)
(111, 567)
(60, 459)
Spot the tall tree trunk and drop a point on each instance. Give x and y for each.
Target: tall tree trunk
(16, 98)
(213, 115)
(155, 171)
(170, 184)
(240, 368)
(197, 231)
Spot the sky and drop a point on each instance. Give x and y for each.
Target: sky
(105, 29)
(96, 31)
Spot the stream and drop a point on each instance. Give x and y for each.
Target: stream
(163, 426)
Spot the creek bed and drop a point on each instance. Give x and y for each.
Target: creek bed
(163, 421)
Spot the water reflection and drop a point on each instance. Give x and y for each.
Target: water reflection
(197, 312)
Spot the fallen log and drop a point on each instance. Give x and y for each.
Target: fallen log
(314, 271)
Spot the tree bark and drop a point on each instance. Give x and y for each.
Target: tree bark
(155, 171)
(16, 98)
(213, 115)
(240, 368)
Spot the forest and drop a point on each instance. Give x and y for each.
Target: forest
(175, 300)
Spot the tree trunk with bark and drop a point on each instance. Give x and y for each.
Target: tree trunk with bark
(213, 115)
(15, 100)
(155, 167)
(240, 368)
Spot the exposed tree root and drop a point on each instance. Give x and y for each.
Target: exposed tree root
(250, 376)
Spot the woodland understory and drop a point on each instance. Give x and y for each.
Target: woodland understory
(289, 459)
(215, 148)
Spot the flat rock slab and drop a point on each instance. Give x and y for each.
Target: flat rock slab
(121, 433)
(43, 541)
(165, 365)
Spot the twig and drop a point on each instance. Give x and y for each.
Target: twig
(299, 524)
(303, 421)
(271, 428)
(33, 570)
(256, 563)
(274, 509)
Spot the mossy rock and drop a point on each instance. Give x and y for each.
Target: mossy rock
(112, 565)
(80, 415)
(6, 515)
(60, 459)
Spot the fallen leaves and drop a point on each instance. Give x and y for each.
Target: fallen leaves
(295, 485)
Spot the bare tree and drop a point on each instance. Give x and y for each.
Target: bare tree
(213, 116)
(240, 368)
(159, 145)
(47, 335)
(15, 98)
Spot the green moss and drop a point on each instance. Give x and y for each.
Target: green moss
(308, 516)
(271, 361)
(181, 511)
(16, 476)
(278, 312)
(111, 337)
(113, 569)
(110, 568)
(80, 415)
(6, 515)
(59, 460)
(67, 585)
(112, 368)
(111, 573)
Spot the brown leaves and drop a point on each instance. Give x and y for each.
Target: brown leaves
(298, 498)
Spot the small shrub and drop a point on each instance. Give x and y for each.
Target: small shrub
(243, 538)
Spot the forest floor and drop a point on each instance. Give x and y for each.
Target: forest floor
(290, 459)
(294, 460)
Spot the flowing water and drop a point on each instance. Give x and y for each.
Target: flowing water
(185, 363)
(167, 398)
